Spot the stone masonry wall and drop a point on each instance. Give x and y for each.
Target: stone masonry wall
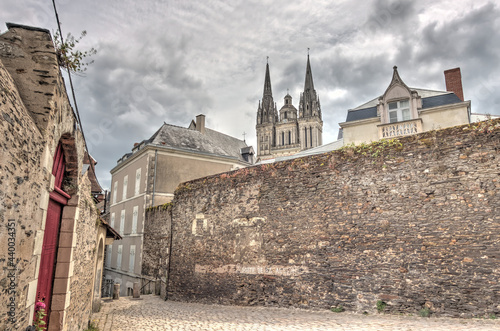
(414, 223)
(35, 116)
(85, 253)
(21, 183)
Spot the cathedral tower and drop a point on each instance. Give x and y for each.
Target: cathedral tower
(290, 131)
(310, 122)
(267, 115)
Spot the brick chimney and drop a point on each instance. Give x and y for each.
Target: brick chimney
(200, 123)
(453, 80)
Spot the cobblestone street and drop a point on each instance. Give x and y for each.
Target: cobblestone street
(152, 313)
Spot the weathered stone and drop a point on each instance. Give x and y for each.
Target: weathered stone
(362, 235)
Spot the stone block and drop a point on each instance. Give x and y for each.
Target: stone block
(61, 286)
(116, 291)
(136, 291)
(65, 254)
(37, 249)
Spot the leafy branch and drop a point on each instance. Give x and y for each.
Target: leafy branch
(70, 58)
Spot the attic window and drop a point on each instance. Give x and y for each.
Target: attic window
(286, 102)
(399, 111)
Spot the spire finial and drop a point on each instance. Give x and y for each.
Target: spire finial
(267, 59)
(307, 51)
(287, 91)
(244, 136)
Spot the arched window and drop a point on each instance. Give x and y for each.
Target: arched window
(289, 137)
(282, 138)
(311, 136)
(305, 137)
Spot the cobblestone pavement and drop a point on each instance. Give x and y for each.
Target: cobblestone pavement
(152, 313)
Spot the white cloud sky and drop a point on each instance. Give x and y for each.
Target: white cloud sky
(168, 61)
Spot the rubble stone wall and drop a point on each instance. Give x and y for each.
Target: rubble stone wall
(35, 116)
(413, 223)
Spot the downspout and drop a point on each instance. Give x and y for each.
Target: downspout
(154, 179)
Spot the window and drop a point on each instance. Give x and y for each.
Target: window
(115, 188)
(134, 219)
(137, 181)
(131, 261)
(109, 250)
(285, 114)
(399, 111)
(282, 138)
(311, 136)
(119, 257)
(125, 184)
(289, 138)
(305, 135)
(122, 221)
(112, 220)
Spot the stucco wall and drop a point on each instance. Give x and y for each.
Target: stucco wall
(414, 225)
(362, 133)
(443, 118)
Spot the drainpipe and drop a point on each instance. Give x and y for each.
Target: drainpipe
(154, 179)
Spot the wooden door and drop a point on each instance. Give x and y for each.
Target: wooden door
(58, 198)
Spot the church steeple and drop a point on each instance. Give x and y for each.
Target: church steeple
(267, 84)
(309, 105)
(267, 111)
(309, 84)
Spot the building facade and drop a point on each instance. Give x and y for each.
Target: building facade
(403, 111)
(288, 131)
(149, 176)
(52, 239)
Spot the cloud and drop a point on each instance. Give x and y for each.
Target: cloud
(167, 61)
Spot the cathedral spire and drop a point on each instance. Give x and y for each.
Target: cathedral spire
(267, 82)
(308, 85)
(267, 112)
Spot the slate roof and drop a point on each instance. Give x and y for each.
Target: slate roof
(430, 99)
(311, 151)
(211, 142)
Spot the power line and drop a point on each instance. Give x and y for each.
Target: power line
(73, 94)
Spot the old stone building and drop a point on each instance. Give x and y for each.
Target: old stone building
(288, 131)
(52, 239)
(148, 177)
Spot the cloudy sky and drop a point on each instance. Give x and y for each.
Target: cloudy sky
(169, 60)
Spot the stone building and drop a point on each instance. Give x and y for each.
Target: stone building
(52, 239)
(402, 111)
(289, 131)
(148, 177)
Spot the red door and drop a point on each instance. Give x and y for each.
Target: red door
(57, 200)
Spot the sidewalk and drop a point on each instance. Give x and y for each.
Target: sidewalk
(152, 313)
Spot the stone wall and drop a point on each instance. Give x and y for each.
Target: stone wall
(413, 223)
(21, 184)
(35, 116)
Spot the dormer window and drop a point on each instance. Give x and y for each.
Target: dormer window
(399, 111)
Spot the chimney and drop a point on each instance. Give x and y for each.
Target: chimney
(200, 123)
(453, 80)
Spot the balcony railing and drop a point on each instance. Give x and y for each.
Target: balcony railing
(400, 129)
